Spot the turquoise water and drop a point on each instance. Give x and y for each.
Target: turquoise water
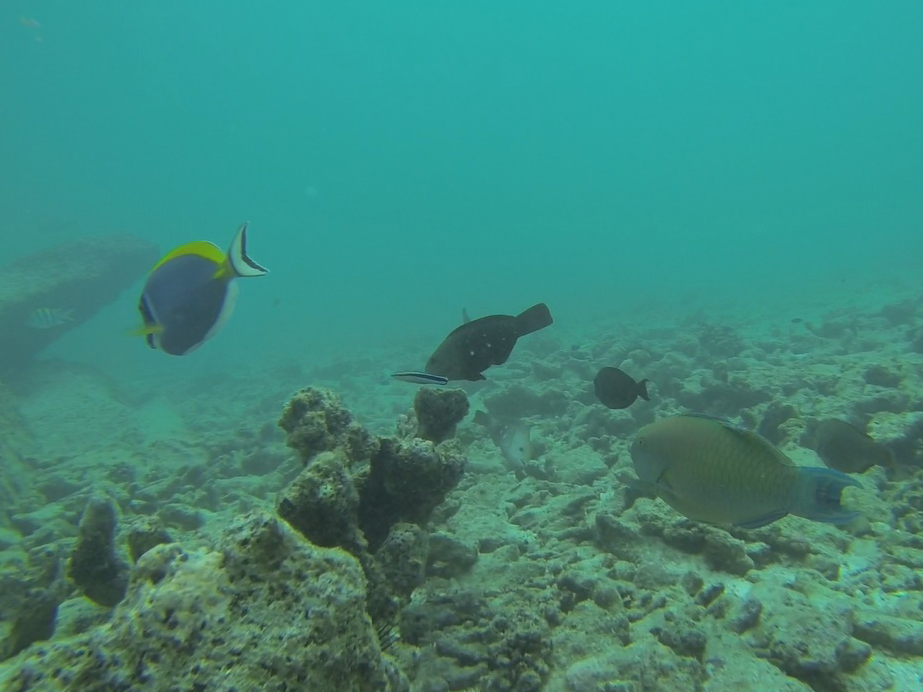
(399, 161)
(655, 172)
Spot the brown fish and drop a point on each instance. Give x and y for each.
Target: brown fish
(616, 389)
(846, 448)
(476, 345)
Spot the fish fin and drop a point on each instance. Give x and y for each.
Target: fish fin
(145, 330)
(465, 318)
(482, 418)
(818, 495)
(761, 521)
(642, 390)
(202, 248)
(534, 318)
(239, 263)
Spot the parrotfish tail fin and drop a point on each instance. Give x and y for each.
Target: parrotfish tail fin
(642, 390)
(535, 318)
(238, 260)
(818, 495)
(465, 318)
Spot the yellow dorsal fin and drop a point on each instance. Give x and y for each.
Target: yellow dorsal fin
(202, 248)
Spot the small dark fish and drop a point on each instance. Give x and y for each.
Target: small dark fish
(476, 345)
(846, 448)
(417, 377)
(615, 389)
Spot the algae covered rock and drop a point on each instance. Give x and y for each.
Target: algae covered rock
(316, 421)
(264, 609)
(439, 412)
(94, 565)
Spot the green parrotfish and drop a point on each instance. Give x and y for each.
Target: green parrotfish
(714, 472)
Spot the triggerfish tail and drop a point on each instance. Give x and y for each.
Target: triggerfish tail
(534, 318)
(239, 262)
(818, 495)
(418, 377)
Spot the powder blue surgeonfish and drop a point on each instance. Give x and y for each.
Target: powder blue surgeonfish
(190, 293)
(711, 471)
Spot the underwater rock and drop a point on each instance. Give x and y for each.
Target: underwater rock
(322, 504)
(406, 481)
(448, 557)
(439, 412)
(806, 642)
(262, 609)
(16, 472)
(94, 566)
(773, 417)
(368, 495)
(316, 421)
(144, 534)
(403, 557)
(29, 599)
(78, 277)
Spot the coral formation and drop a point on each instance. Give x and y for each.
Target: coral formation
(365, 497)
(261, 609)
(439, 412)
(94, 565)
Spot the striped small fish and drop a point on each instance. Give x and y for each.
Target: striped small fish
(49, 318)
(417, 377)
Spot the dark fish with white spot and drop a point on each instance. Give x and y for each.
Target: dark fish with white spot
(191, 292)
(846, 448)
(615, 389)
(476, 345)
(711, 471)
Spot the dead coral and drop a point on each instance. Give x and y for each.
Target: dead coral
(439, 412)
(94, 565)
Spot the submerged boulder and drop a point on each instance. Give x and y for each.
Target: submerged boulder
(73, 280)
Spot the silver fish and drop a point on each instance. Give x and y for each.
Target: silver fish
(49, 318)
(513, 439)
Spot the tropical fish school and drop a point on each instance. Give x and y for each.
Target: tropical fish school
(706, 469)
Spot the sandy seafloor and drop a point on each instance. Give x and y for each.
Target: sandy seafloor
(624, 596)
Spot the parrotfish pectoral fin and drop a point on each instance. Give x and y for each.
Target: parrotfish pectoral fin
(818, 495)
(761, 521)
(238, 261)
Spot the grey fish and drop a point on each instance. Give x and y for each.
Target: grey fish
(711, 471)
(191, 292)
(49, 318)
(513, 439)
(846, 448)
(476, 345)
